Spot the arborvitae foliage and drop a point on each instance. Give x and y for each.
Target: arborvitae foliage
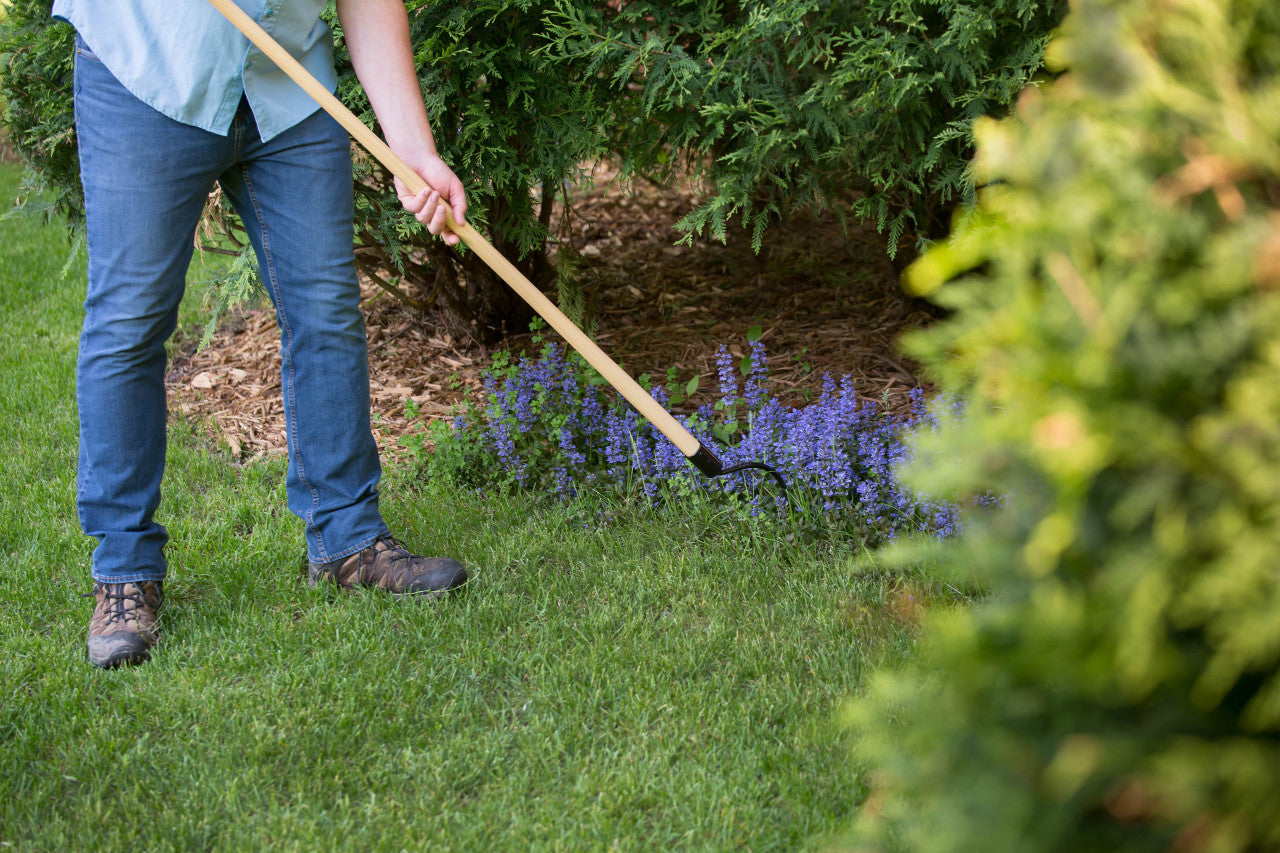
(35, 83)
(777, 106)
(1118, 343)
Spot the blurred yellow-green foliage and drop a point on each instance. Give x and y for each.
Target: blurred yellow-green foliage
(1116, 340)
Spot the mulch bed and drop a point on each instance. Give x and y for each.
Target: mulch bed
(825, 298)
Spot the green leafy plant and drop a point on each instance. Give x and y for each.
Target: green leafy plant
(1116, 338)
(517, 129)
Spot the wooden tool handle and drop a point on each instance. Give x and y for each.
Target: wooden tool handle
(413, 182)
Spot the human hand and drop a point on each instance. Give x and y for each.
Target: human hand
(442, 185)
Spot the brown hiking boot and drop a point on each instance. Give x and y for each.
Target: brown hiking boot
(124, 626)
(386, 565)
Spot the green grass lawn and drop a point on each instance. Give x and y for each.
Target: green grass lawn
(662, 681)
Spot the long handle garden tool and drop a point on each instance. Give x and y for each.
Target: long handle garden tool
(699, 454)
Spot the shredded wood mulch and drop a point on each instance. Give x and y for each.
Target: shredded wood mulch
(826, 300)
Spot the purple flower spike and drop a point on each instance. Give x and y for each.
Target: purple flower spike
(546, 427)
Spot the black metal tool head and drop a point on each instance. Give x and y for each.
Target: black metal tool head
(709, 464)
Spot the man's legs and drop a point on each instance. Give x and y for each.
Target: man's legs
(294, 196)
(145, 181)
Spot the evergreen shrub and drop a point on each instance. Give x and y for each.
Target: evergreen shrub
(804, 104)
(35, 84)
(864, 108)
(1116, 333)
(516, 128)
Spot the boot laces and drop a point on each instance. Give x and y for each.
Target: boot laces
(115, 597)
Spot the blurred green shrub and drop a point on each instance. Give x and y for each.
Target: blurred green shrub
(1117, 337)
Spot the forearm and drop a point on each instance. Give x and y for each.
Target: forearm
(377, 36)
(377, 33)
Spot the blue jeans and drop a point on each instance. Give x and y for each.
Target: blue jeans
(146, 178)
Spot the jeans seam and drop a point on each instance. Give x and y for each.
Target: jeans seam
(287, 359)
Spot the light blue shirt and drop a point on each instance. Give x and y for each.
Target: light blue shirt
(187, 61)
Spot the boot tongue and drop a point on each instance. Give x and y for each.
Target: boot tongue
(126, 602)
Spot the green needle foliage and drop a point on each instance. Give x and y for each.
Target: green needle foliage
(1116, 338)
(803, 104)
(775, 107)
(35, 83)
